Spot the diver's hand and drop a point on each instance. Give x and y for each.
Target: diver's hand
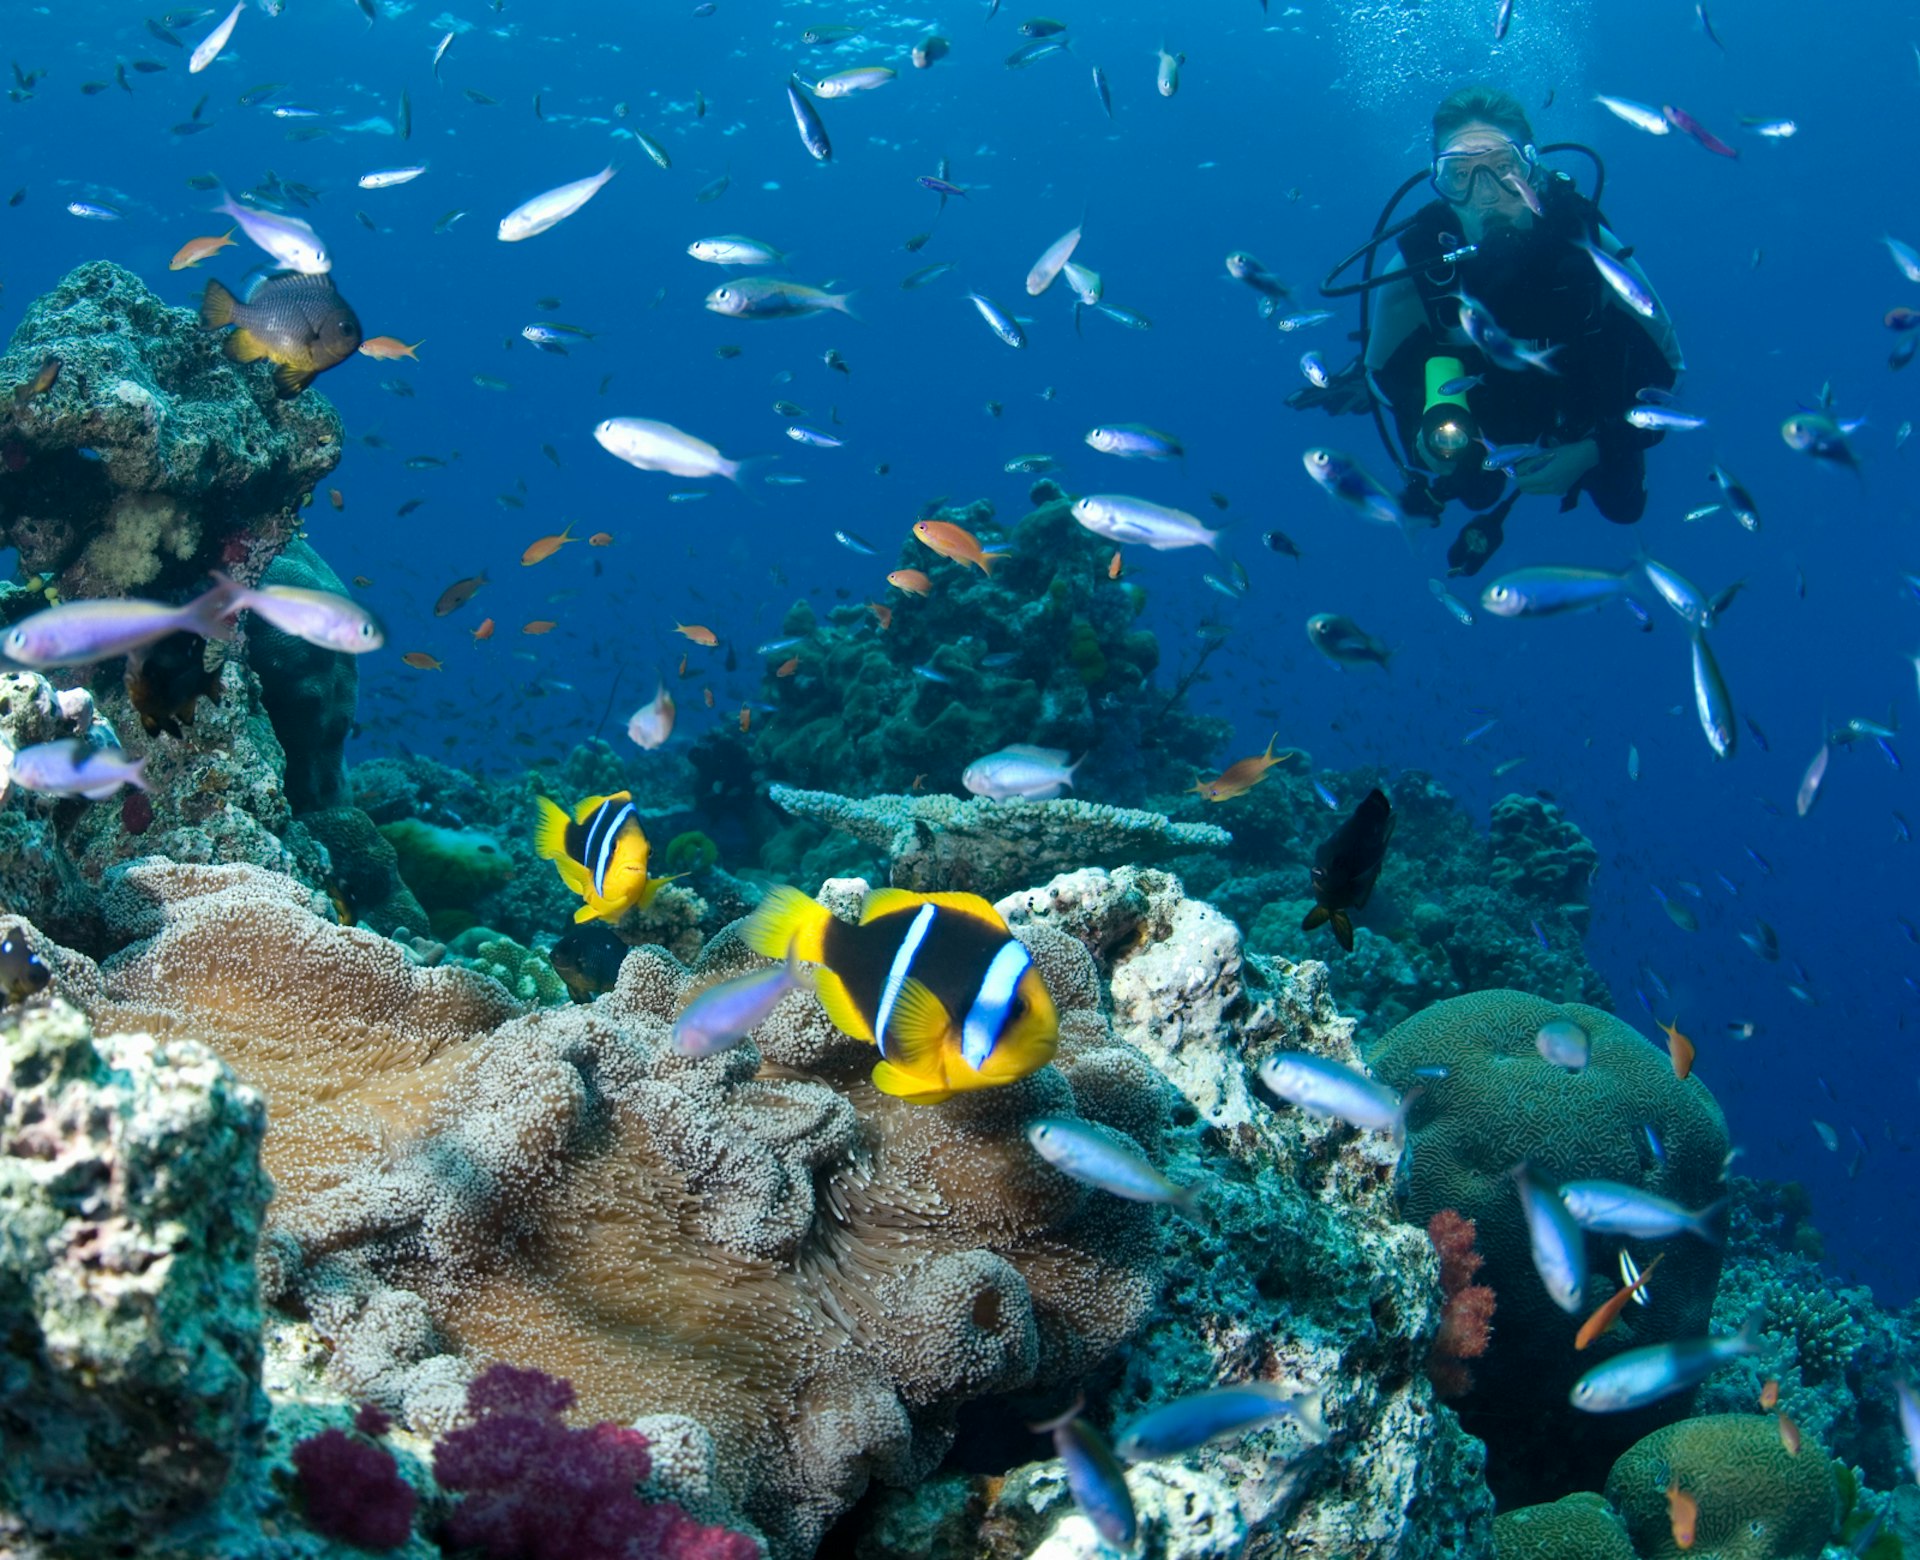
(1558, 469)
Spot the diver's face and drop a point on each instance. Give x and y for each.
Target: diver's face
(1481, 174)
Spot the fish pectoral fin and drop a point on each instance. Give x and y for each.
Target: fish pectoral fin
(916, 1029)
(288, 381)
(1343, 929)
(1317, 916)
(242, 346)
(839, 1005)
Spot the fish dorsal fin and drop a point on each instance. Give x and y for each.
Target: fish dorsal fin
(1038, 754)
(788, 919)
(889, 901)
(916, 1029)
(588, 806)
(970, 905)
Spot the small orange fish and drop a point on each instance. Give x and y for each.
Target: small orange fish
(787, 667)
(1680, 1048)
(600, 539)
(746, 719)
(194, 250)
(955, 542)
(884, 615)
(419, 660)
(539, 626)
(1770, 1394)
(682, 672)
(1115, 568)
(1603, 1319)
(546, 547)
(362, 582)
(336, 498)
(911, 580)
(698, 633)
(387, 348)
(706, 694)
(1790, 1436)
(1683, 1512)
(1236, 779)
(485, 630)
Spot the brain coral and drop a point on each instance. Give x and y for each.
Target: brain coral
(1500, 1103)
(1580, 1527)
(759, 1241)
(1756, 1501)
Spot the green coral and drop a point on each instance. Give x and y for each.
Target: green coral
(447, 869)
(523, 971)
(1084, 654)
(1757, 1501)
(689, 852)
(1501, 1103)
(1580, 1527)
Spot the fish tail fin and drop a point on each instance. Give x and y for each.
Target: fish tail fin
(1191, 1198)
(1701, 1223)
(988, 560)
(137, 776)
(550, 830)
(1317, 916)
(1750, 1330)
(217, 305)
(843, 302)
(1343, 929)
(209, 612)
(288, 381)
(788, 920)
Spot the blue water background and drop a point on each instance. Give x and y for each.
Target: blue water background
(1288, 131)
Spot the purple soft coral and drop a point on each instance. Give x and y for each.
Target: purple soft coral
(536, 1490)
(351, 1489)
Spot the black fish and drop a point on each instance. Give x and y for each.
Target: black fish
(22, 971)
(588, 959)
(298, 323)
(1347, 865)
(166, 681)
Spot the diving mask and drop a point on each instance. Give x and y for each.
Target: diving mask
(1454, 172)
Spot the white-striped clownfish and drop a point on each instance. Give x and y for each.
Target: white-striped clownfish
(600, 853)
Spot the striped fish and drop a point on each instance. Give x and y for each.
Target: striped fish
(936, 981)
(600, 853)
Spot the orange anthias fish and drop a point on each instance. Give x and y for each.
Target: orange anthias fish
(546, 547)
(1603, 1319)
(1236, 779)
(419, 660)
(1770, 1394)
(746, 725)
(706, 695)
(539, 626)
(787, 667)
(387, 348)
(910, 580)
(882, 614)
(955, 542)
(194, 250)
(485, 630)
(1680, 1048)
(1790, 1436)
(682, 672)
(1683, 1511)
(600, 539)
(1115, 567)
(700, 634)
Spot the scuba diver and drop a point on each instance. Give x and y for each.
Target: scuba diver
(1565, 360)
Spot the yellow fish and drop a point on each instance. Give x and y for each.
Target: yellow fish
(600, 853)
(950, 996)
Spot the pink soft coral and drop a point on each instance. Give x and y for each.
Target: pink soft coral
(535, 1489)
(351, 1490)
(1466, 1325)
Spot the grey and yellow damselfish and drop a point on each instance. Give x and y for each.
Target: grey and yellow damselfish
(950, 996)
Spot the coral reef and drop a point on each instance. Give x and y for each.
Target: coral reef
(1502, 1103)
(447, 869)
(131, 1197)
(1577, 1527)
(1466, 1327)
(151, 458)
(1757, 1501)
(992, 848)
(309, 691)
(1455, 910)
(858, 717)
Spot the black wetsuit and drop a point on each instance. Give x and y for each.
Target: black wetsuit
(1542, 288)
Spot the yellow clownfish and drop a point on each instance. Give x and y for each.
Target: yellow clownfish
(600, 853)
(949, 995)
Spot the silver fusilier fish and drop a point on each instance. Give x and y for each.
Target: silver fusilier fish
(1120, 518)
(735, 249)
(771, 298)
(1550, 590)
(1642, 1376)
(292, 243)
(1135, 441)
(1676, 590)
(1036, 773)
(1909, 1401)
(806, 118)
(1243, 267)
(1345, 479)
(1613, 1208)
(726, 1013)
(1620, 276)
(320, 617)
(73, 768)
(656, 446)
(1330, 1091)
(1188, 1423)
(1003, 324)
(79, 633)
(552, 207)
(1051, 262)
(1564, 1043)
(1094, 1156)
(1711, 701)
(1559, 1249)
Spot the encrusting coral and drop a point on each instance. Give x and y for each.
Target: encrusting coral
(1501, 1103)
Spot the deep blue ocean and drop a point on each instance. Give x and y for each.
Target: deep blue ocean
(1291, 126)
